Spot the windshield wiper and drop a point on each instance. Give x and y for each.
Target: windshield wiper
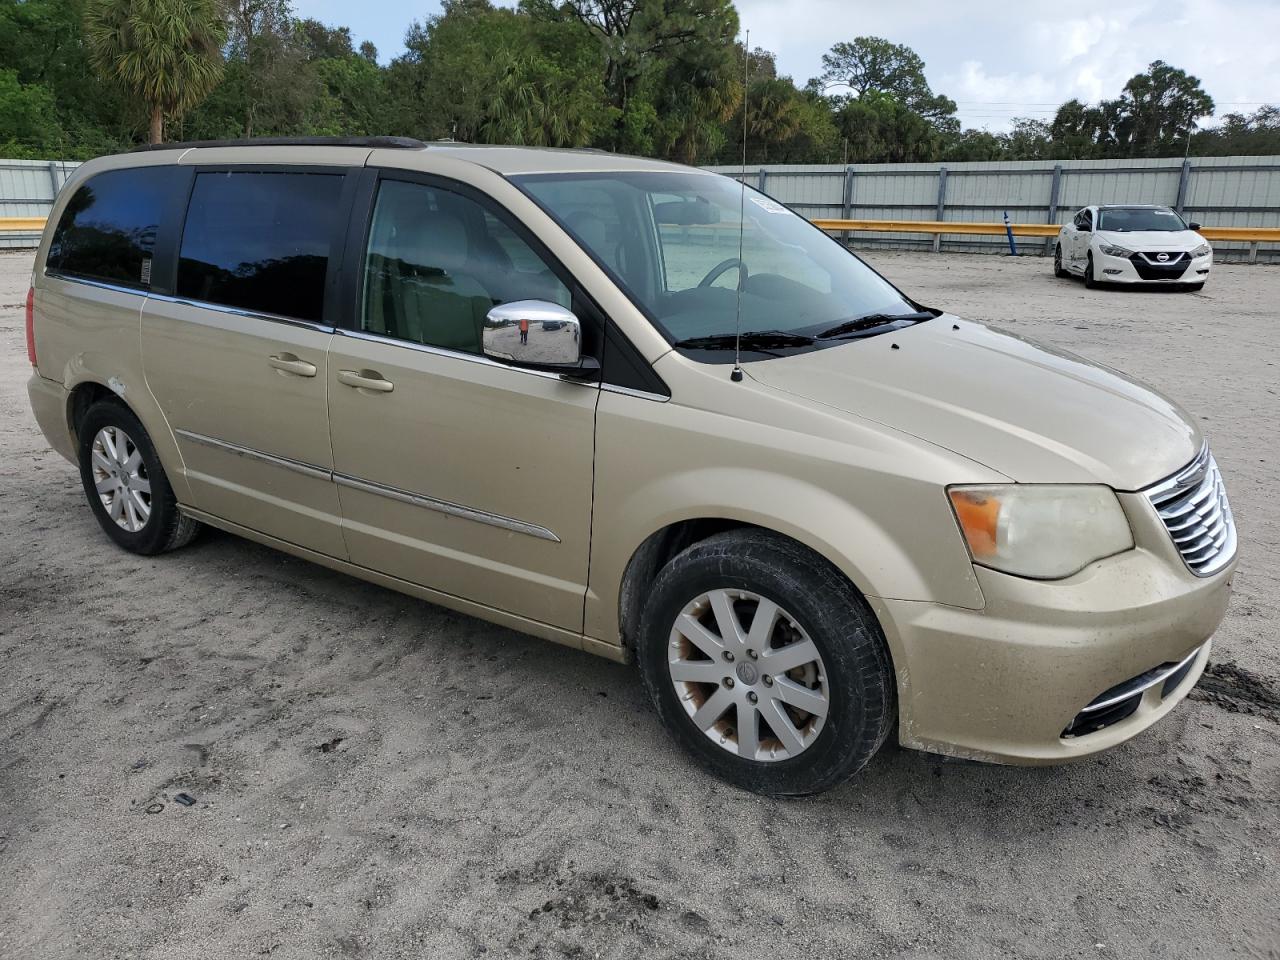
(751, 340)
(858, 324)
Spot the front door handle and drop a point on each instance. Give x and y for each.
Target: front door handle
(288, 363)
(369, 380)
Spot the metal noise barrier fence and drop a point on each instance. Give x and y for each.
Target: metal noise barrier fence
(891, 205)
(958, 206)
(27, 190)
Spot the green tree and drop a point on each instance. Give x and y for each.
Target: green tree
(166, 53)
(1160, 109)
(1240, 134)
(874, 65)
(42, 41)
(879, 128)
(786, 125)
(486, 74)
(267, 77)
(29, 128)
(674, 56)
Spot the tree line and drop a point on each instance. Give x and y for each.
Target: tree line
(662, 78)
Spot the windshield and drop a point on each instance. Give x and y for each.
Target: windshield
(1133, 219)
(671, 240)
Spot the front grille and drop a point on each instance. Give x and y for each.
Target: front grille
(1193, 505)
(1121, 701)
(1149, 267)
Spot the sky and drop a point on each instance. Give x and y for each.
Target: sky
(996, 59)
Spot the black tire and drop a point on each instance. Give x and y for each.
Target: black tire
(859, 677)
(166, 528)
(1089, 280)
(1058, 270)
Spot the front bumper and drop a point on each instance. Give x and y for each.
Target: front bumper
(1124, 270)
(1006, 682)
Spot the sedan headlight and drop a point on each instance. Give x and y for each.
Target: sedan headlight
(1202, 251)
(1043, 531)
(1111, 250)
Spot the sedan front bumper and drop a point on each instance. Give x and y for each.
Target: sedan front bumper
(1140, 269)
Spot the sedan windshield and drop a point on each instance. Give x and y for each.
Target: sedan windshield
(1134, 219)
(680, 244)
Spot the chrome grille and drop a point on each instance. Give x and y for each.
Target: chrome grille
(1193, 505)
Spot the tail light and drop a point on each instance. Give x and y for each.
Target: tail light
(31, 325)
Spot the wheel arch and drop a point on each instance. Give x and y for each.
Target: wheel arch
(664, 543)
(90, 389)
(83, 396)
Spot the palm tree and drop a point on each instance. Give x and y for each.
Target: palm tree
(167, 53)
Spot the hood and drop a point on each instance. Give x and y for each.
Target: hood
(1152, 239)
(1034, 414)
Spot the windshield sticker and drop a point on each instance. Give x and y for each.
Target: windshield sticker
(769, 206)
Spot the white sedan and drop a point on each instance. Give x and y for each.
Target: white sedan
(1132, 244)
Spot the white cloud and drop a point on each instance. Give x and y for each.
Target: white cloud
(999, 62)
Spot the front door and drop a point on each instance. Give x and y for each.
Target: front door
(1084, 234)
(454, 471)
(237, 358)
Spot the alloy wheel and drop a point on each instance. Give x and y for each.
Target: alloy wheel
(120, 478)
(748, 675)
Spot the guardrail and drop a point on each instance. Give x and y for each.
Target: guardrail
(1250, 235)
(21, 224)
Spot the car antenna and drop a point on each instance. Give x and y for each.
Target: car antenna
(736, 375)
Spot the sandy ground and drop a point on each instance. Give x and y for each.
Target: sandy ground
(376, 777)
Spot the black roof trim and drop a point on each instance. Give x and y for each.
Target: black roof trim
(380, 143)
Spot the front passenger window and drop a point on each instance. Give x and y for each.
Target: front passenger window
(438, 261)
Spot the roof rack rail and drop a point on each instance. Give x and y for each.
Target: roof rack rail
(382, 143)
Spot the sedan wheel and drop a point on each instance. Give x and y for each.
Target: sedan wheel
(1058, 270)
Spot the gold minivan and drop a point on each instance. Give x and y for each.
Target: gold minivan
(509, 381)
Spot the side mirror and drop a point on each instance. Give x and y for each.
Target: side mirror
(538, 334)
(1193, 226)
(1087, 228)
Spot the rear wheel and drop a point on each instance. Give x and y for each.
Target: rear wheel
(1058, 269)
(1089, 280)
(766, 665)
(125, 484)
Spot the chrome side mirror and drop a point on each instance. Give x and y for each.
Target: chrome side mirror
(534, 333)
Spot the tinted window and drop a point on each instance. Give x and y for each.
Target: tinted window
(1133, 219)
(438, 261)
(108, 229)
(260, 241)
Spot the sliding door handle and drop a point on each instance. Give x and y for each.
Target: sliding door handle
(369, 380)
(288, 363)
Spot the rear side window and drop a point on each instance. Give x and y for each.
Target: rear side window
(260, 241)
(108, 229)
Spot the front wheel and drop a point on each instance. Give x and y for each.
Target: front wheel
(127, 488)
(766, 664)
(1089, 280)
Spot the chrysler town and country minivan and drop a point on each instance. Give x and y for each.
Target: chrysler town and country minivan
(625, 406)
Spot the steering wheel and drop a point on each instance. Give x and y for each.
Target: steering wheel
(724, 265)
